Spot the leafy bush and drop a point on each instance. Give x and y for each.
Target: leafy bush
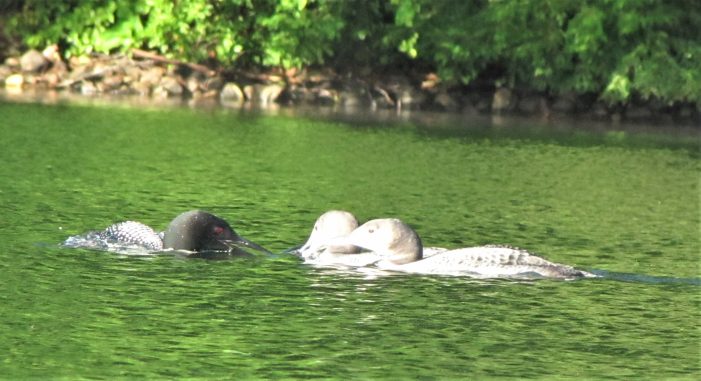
(615, 49)
(287, 32)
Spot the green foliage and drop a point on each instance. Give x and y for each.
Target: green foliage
(299, 33)
(288, 32)
(661, 50)
(616, 49)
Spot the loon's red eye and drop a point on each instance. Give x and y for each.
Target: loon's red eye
(218, 230)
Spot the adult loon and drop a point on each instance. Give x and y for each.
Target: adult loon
(390, 244)
(194, 231)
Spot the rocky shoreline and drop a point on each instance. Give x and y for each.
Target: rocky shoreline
(147, 74)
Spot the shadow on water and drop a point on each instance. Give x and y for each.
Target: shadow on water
(647, 279)
(562, 130)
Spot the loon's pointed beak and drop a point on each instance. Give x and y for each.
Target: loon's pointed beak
(242, 244)
(297, 250)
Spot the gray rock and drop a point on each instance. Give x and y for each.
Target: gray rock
(87, 88)
(14, 81)
(482, 104)
(99, 71)
(262, 94)
(326, 97)
(231, 92)
(638, 112)
(532, 104)
(171, 85)
(54, 57)
(160, 92)
(599, 109)
(404, 93)
(78, 73)
(409, 97)
(51, 79)
(30, 79)
(299, 94)
(502, 100)
(213, 83)
(354, 93)
(12, 63)
(686, 111)
(352, 99)
(193, 84)
(565, 103)
(111, 82)
(152, 76)
(445, 101)
(270, 93)
(132, 73)
(141, 88)
(33, 62)
(5, 72)
(469, 109)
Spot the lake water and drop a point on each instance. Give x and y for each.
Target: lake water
(623, 202)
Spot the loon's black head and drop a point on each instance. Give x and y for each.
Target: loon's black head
(201, 231)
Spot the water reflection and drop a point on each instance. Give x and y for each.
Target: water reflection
(649, 279)
(565, 130)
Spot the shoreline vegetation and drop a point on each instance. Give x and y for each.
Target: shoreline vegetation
(623, 60)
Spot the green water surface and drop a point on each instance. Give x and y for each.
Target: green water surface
(622, 203)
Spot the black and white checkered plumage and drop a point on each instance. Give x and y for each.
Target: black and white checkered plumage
(133, 233)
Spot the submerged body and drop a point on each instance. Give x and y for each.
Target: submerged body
(487, 262)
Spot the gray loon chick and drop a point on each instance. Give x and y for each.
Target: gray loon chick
(398, 248)
(325, 243)
(195, 231)
(392, 245)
